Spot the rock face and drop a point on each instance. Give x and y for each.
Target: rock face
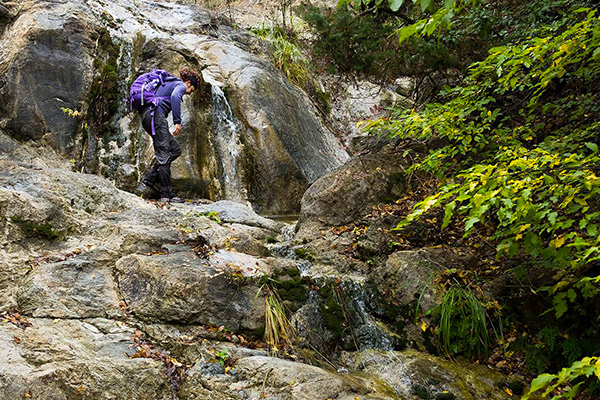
(193, 292)
(66, 359)
(118, 296)
(252, 137)
(268, 377)
(46, 59)
(349, 192)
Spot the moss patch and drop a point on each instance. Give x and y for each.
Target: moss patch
(102, 102)
(303, 254)
(34, 230)
(291, 287)
(333, 315)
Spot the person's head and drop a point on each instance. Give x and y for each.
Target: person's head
(191, 78)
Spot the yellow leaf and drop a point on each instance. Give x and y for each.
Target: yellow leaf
(510, 393)
(558, 242)
(227, 369)
(523, 227)
(597, 368)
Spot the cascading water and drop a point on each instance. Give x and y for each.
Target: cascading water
(228, 146)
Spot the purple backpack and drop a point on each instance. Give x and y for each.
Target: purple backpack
(143, 89)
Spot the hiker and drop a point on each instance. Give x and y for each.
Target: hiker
(167, 98)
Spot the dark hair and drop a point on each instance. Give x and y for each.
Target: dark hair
(194, 77)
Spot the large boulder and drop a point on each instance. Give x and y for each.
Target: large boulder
(67, 359)
(285, 143)
(349, 192)
(47, 55)
(181, 287)
(411, 374)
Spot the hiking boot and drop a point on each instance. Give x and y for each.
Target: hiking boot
(151, 185)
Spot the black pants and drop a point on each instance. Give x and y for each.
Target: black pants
(166, 150)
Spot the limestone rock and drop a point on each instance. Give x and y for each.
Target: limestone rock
(253, 377)
(349, 192)
(65, 359)
(79, 287)
(233, 212)
(42, 210)
(181, 287)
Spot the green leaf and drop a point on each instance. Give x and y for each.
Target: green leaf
(541, 382)
(395, 4)
(425, 4)
(560, 304)
(406, 32)
(448, 214)
(592, 146)
(470, 222)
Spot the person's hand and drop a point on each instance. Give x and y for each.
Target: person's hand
(177, 129)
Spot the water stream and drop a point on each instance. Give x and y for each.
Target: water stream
(228, 146)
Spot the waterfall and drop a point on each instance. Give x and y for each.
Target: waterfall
(228, 146)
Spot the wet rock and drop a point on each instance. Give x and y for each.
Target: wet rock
(411, 373)
(287, 145)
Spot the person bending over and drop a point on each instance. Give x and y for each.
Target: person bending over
(166, 147)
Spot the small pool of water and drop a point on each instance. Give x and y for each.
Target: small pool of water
(286, 219)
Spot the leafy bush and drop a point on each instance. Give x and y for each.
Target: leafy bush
(519, 157)
(354, 44)
(579, 373)
(530, 171)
